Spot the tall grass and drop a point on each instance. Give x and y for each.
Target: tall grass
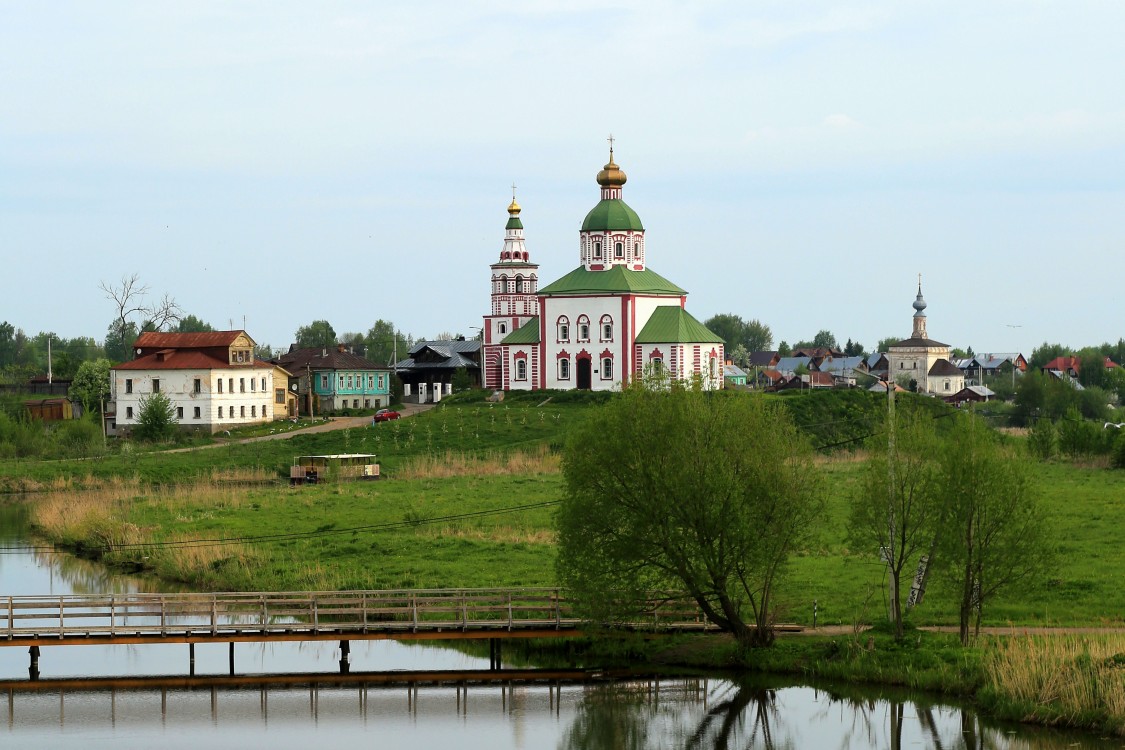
(95, 524)
(540, 460)
(1073, 680)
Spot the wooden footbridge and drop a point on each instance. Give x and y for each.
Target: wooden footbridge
(447, 614)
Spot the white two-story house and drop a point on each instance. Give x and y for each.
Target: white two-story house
(212, 380)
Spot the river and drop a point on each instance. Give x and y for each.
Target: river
(692, 712)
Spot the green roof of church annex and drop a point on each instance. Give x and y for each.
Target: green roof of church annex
(612, 214)
(672, 324)
(528, 333)
(616, 279)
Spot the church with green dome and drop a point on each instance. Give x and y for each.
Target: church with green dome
(610, 319)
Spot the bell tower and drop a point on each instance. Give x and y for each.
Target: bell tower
(514, 299)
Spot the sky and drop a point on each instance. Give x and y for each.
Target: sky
(268, 164)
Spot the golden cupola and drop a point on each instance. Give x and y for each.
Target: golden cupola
(611, 174)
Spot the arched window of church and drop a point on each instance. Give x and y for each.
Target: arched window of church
(714, 368)
(607, 368)
(583, 328)
(521, 369)
(519, 284)
(563, 328)
(619, 250)
(607, 328)
(597, 249)
(503, 328)
(564, 369)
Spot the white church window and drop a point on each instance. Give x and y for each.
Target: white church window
(714, 367)
(607, 368)
(619, 250)
(563, 326)
(607, 328)
(597, 249)
(583, 332)
(503, 328)
(519, 284)
(564, 369)
(947, 385)
(521, 369)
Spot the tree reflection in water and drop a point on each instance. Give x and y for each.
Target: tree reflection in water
(725, 715)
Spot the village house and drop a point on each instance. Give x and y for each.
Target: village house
(331, 380)
(428, 371)
(212, 380)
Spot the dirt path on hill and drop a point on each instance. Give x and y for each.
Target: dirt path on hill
(333, 423)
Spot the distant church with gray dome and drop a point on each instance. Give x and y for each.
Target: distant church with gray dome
(922, 360)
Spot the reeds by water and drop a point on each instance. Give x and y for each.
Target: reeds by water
(1075, 680)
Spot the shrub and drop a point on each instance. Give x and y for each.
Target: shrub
(1119, 451)
(1043, 439)
(156, 420)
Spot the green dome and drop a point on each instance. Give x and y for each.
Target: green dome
(612, 214)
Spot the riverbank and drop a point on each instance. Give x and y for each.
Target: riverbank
(1058, 680)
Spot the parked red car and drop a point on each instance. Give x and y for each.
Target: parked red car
(385, 415)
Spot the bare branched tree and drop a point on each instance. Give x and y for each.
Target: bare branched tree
(165, 313)
(129, 295)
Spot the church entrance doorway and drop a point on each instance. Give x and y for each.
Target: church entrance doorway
(582, 376)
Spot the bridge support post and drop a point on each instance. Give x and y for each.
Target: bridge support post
(33, 669)
(494, 654)
(345, 657)
(232, 658)
(191, 659)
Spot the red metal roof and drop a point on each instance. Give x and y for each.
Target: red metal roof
(161, 340)
(177, 360)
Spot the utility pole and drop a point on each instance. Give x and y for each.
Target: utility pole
(892, 598)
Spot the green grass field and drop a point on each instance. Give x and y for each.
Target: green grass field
(405, 532)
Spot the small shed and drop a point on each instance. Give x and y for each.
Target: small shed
(50, 409)
(333, 467)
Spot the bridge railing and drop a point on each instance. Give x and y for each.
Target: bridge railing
(264, 612)
(308, 612)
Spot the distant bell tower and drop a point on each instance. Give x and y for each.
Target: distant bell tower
(919, 313)
(515, 285)
(612, 233)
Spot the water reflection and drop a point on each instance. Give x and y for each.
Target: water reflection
(727, 715)
(685, 713)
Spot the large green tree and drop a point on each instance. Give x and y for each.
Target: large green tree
(318, 334)
(192, 324)
(674, 488)
(734, 331)
(385, 342)
(91, 384)
(993, 531)
(896, 506)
